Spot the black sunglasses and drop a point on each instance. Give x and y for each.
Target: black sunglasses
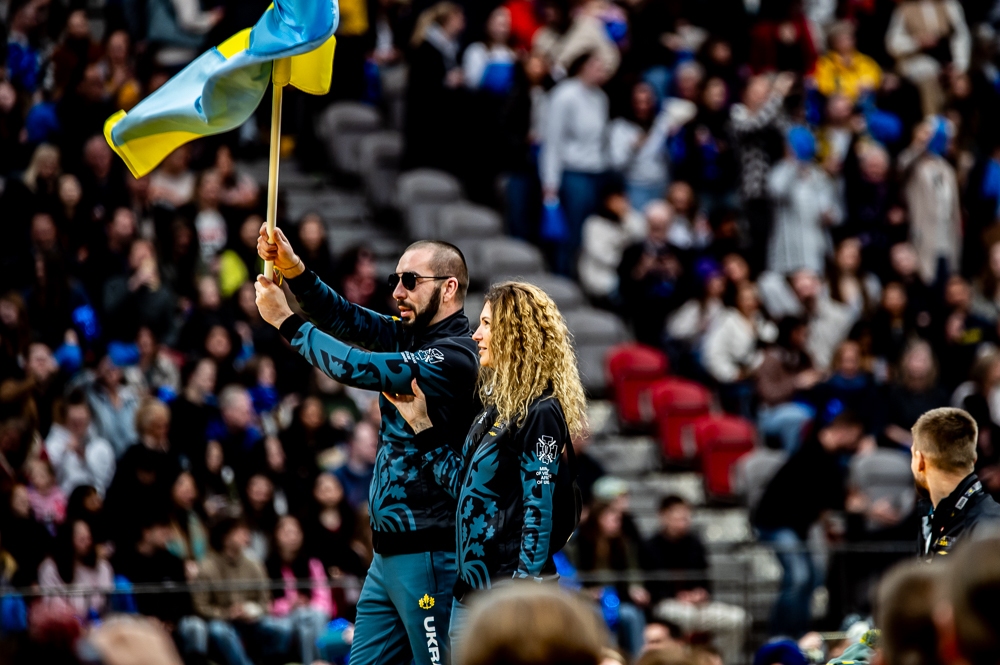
(409, 279)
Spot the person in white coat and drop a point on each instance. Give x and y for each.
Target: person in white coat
(606, 234)
(78, 455)
(731, 354)
(805, 201)
(637, 145)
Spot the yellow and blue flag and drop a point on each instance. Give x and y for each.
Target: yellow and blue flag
(221, 88)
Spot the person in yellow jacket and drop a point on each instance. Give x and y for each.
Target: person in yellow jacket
(843, 69)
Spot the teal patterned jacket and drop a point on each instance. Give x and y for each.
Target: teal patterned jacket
(505, 483)
(410, 510)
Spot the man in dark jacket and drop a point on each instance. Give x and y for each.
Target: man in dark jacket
(405, 606)
(811, 482)
(955, 506)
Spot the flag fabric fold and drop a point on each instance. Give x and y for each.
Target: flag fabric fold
(221, 88)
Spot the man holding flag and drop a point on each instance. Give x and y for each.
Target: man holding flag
(405, 607)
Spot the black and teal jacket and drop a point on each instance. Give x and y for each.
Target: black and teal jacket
(505, 482)
(410, 511)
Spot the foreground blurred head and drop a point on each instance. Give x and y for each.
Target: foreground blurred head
(524, 348)
(905, 613)
(530, 624)
(969, 620)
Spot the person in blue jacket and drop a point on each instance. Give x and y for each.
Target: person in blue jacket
(513, 483)
(405, 605)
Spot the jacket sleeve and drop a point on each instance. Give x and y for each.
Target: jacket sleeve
(541, 438)
(434, 368)
(446, 462)
(342, 318)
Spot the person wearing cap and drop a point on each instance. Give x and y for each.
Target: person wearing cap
(805, 200)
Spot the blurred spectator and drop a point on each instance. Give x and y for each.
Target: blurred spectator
(355, 474)
(433, 100)
(650, 276)
(172, 184)
(48, 502)
(193, 409)
(637, 143)
(31, 393)
(757, 125)
(76, 562)
(238, 620)
(964, 333)
(907, 597)
(926, 37)
(188, 539)
(178, 28)
(849, 283)
(573, 158)
(149, 561)
(329, 527)
(914, 392)
(24, 537)
(139, 299)
(804, 208)
(843, 69)
(688, 603)
(848, 386)
(692, 320)
(810, 483)
(236, 428)
(930, 192)
(601, 546)
(288, 563)
(113, 405)
(78, 454)
(313, 247)
(489, 65)
(785, 374)
(730, 353)
(614, 226)
(238, 189)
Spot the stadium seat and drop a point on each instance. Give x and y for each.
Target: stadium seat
(420, 194)
(342, 126)
(594, 332)
(492, 257)
(565, 292)
(753, 472)
(677, 404)
(884, 474)
(463, 224)
(379, 156)
(473, 308)
(631, 370)
(721, 441)
(394, 81)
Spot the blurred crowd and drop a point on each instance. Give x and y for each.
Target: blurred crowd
(795, 199)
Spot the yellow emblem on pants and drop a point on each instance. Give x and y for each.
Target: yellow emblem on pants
(426, 602)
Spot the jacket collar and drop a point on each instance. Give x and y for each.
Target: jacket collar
(456, 325)
(959, 498)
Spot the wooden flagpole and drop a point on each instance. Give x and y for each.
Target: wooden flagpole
(281, 73)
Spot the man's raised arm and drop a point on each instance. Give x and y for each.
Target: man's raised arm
(330, 311)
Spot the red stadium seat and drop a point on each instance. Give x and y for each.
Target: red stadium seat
(678, 403)
(632, 369)
(722, 440)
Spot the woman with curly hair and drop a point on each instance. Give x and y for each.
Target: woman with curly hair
(513, 481)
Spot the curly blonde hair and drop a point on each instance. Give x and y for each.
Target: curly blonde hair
(531, 349)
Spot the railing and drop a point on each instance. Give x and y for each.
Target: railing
(747, 575)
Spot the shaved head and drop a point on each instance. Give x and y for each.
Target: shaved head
(446, 259)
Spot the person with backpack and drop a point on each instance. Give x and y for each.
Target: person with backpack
(515, 478)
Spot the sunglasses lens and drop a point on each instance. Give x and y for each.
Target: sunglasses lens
(393, 281)
(409, 281)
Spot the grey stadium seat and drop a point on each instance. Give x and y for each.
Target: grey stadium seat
(342, 126)
(379, 156)
(420, 194)
(594, 332)
(473, 308)
(753, 472)
(565, 292)
(884, 474)
(492, 257)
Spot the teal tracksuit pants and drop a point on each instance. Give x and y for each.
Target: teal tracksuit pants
(404, 612)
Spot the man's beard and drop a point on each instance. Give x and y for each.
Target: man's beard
(423, 319)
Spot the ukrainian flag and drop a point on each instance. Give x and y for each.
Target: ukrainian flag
(221, 88)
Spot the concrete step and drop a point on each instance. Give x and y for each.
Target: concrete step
(723, 525)
(602, 417)
(653, 487)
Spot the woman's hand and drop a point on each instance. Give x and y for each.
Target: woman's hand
(413, 408)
